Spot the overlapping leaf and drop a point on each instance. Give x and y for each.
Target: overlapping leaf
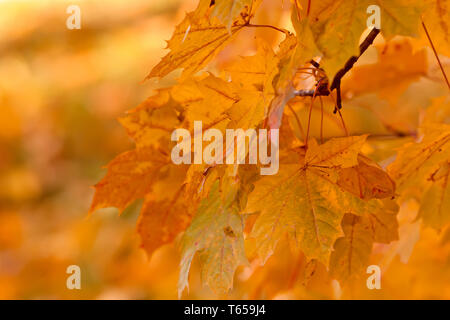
(152, 122)
(437, 17)
(367, 180)
(435, 205)
(196, 40)
(350, 257)
(216, 235)
(161, 221)
(305, 200)
(130, 176)
(228, 10)
(417, 161)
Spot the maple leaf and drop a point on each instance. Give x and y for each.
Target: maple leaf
(416, 162)
(197, 96)
(435, 205)
(305, 200)
(383, 220)
(254, 75)
(130, 176)
(152, 122)
(437, 17)
(196, 40)
(367, 180)
(228, 10)
(161, 221)
(254, 72)
(216, 235)
(337, 152)
(351, 253)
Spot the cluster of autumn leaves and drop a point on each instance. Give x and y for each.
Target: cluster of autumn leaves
(331, 201)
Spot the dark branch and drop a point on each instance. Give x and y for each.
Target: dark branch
(351, 62)
(336, 84)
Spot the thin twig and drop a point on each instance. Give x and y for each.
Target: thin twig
(266, 26)
(336, 84)
(310, 113)
(309, 121)
(342, 118)
(351, 62)
(321, 120)
(309, 8)
(436, 54)
(298, 11)
(302, 132)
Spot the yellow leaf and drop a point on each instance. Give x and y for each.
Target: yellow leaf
(161, 221)
(437, 20)
(384, 221)
(304, 200)
(417, 161)
(248, 112)
(295, 201)
(367, 180)
(351, 253)
(435, 205)
(195, 42)
(216, 235)
(254, 72)
(152, 122)
(337, 152)
(130, 176)
(205, 99)
(228, 10)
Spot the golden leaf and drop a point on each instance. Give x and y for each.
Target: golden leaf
(417, 161)
(228, 10)
(130, 176)
(304, 200)
(195, 42)
(205, 99)
(435, 205)
(161, 221)
(152, 122)
(437, 20)
(351, 253)
(367, 180)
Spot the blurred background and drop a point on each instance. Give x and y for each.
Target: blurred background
(60, 94)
